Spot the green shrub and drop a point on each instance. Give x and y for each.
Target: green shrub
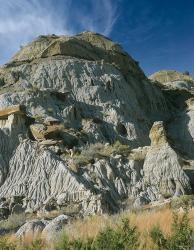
(182, 233)
(35, 245)
(120, 148)
(5, 245)
(98, 150)
(38, 118)
(86, 156)
(2, 82)
(101, 150)
(108, 239)
(65, 244)
(158, 237)
(62, 243)
(123, 237)
(184, 201)
(81, 245)
(182, 236)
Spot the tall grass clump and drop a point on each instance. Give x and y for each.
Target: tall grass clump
(181, 237)
(99, 150)
(123, 237)
(5, 245)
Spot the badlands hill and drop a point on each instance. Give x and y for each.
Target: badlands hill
(84, 131)
(174, 78)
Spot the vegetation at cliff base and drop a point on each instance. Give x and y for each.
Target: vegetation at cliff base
(123, 235)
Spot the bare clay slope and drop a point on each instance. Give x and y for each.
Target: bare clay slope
(79, 91)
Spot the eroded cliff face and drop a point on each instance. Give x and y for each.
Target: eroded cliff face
(178, 90)
(77, 92)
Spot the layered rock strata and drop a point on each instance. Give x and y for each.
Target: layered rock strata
(81, 91)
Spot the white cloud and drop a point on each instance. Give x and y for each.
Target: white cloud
(22, 20)
(101, 17)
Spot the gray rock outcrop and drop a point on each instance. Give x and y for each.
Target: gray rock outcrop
(47, 229)
(80, 91)
(163, 167)
(32, 228)
(55, 227)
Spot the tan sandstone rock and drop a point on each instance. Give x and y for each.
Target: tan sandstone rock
(165, 76)
(15, 109)
(158, 134)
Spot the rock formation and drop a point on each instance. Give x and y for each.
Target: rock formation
(59, 96)
(172, 77)
(163, 166)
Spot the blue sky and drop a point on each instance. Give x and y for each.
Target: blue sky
(157, 33)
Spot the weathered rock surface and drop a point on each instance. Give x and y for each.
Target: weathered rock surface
(178, 89)
(79, 91)
(55, 227)
(32, 228)
(163, 167)
(172, 77)
(86, 45)
(17, 109)
(47, 229)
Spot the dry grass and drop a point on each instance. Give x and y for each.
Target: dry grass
(89, 227)
(13, 221)
(29, 242)
(144, 221)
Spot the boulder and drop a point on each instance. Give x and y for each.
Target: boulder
(49, 120)
(43, 132)
(32, 228)
(55, 227)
